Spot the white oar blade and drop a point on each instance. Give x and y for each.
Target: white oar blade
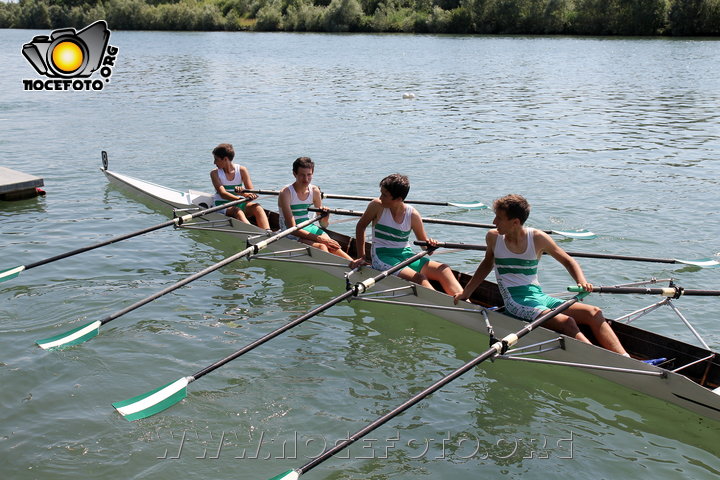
(11, 273)
(702, 263)
(72, 337)
(153, 402)
(579, 234)
(289, 475)
(469, 206)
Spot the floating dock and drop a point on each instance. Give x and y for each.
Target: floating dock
(16, 185)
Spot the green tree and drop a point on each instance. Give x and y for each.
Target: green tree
(34, 14)
(695, 17)
(270, 17)
(343, 16)
(8, 15)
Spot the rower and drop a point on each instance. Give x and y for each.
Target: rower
(514, 251)
(293, 203)
(228, 179)
(392, 221)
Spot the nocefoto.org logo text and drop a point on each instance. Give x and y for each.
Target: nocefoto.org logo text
(69, 57)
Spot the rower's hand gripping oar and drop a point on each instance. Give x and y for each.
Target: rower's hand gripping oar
(702, 263)
(672, 291)
(497, 348)
(161, 398)
(579, 234)
(466, 205)
(177, 221)
(90, 330)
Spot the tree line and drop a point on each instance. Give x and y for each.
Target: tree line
(534, 17)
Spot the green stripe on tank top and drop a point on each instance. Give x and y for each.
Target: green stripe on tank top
(516, 261)
(519, 271)
(390, 238)
(393, 231)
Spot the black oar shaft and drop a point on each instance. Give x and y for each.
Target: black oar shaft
(359, 288)
(354, 197)
(667, 292)
(353, 213)
(369, 199)
(202, 273)
(492, 351)
(467, 246)
(98, 245)
(273, 334)
(174, 221)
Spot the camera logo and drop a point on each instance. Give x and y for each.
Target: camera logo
(68, 56)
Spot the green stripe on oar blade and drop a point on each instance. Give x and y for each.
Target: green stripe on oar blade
(11, 273)
(72, 337)
(579, 234)
(289, 475)
(154, 401)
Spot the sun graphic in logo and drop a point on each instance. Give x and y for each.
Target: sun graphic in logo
(67, 56)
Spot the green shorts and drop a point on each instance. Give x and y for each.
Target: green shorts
(224, 210)
(312, 228)
(527, 302)
(386, 258)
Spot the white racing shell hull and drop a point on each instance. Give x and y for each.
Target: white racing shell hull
(654, 381)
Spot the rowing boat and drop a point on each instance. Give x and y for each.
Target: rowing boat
(689, 377)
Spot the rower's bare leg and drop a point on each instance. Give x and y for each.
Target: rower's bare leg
(442, 273)
(592, 316)
(258, 213)
(566, 325)
(340, 253)
(318, 245)
(237, 213)
(329, 248)
(411, 275)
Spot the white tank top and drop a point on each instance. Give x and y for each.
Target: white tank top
(228, 184)
(516, 269)
(387, 233)
(299, 207)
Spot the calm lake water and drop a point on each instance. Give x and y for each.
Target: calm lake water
(619, 136)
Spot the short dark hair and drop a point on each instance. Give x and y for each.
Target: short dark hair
(514, 206)
(303, 162)
(224, 150)
(397, 185)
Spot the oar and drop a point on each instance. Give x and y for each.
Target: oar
(15, 271)
(579, 234)
(467, 205)
(90, 330)
(703, 263)
(164, 397)
(672, 291)
(497, 348)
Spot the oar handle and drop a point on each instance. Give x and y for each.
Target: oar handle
(495, 349)
(673, 291)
